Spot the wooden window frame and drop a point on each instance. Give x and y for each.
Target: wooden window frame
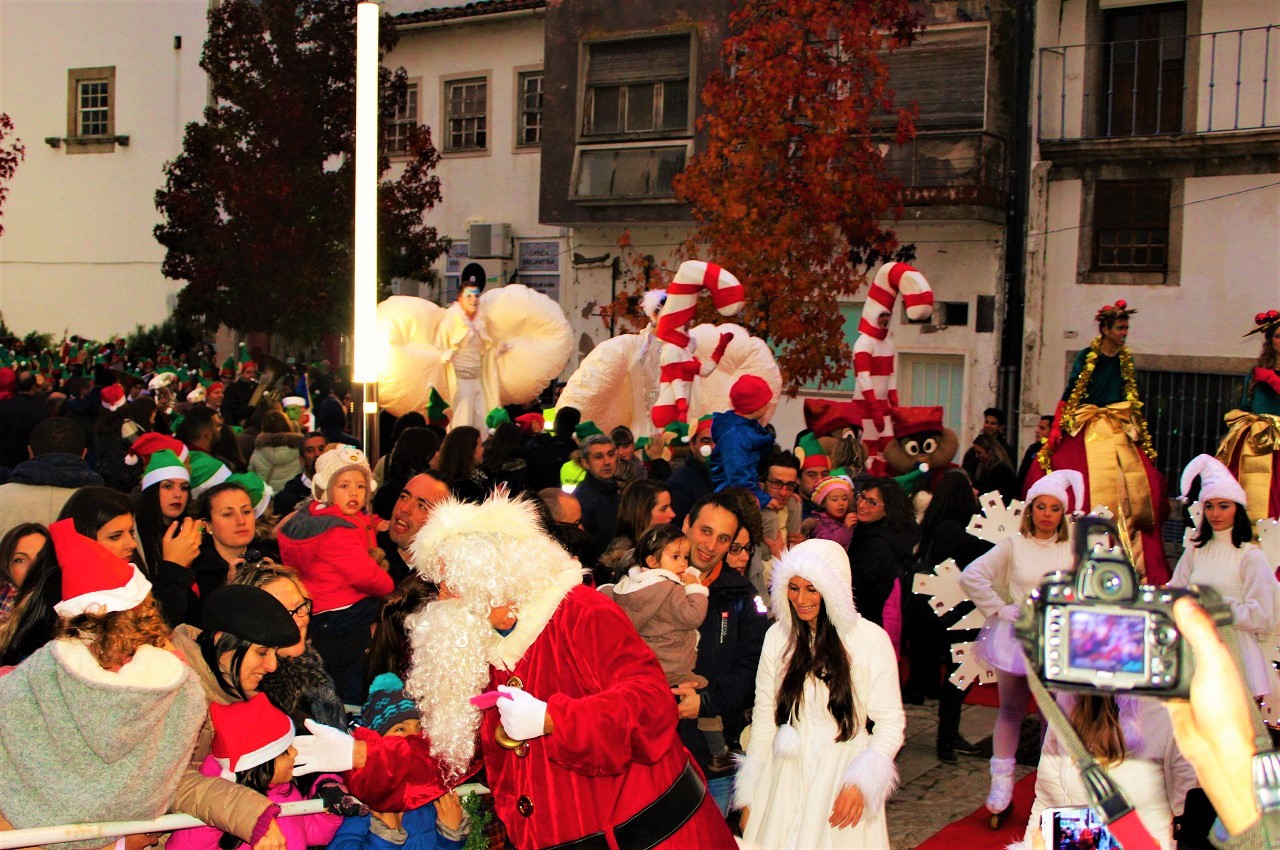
(413, 103)
(1086, 273)
(522, 74)
(586, 99)
(446, 86)
(98, 142)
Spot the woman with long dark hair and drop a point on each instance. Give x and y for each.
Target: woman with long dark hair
(170, 540)
(880, 552)
(19, 550)
(813, 776)
(942, 536)
(501, 460)
(459, 464)
(643, 504)
(995, 470)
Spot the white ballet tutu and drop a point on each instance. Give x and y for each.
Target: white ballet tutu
(999, 647)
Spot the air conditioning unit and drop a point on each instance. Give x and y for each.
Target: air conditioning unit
(489, 240)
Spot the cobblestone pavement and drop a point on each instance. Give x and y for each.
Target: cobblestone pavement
(933, 794)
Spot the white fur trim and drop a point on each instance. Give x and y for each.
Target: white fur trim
(875, 775)
(263, 754)
(165, 473)
(123, 598)
(222, 474)
(293, 401)
(638, 579)
(750, 769)
(497, 515)
(533, 618)
(696, 589)
(150, 667)
(826, 564)
(1216, 481)
(787, 743)
(265, 502)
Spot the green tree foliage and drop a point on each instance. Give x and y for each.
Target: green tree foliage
(258, 208)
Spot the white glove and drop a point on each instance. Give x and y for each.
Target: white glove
(524, 716)
(326, 750)
(1009, 613)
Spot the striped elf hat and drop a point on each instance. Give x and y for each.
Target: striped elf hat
(164, 465)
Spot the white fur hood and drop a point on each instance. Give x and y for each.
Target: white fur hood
(825, 563)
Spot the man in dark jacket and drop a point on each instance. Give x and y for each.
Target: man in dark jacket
(544, 453)
(39, 487)
(729, 644)
(411, 512)
(598, 493)
(18, 415)
(692, 480)
(298, 487)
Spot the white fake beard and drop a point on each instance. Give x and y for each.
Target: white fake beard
(450, 666)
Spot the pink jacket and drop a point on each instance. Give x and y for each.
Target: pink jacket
(300, 831)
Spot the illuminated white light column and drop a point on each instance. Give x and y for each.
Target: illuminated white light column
(366, 348)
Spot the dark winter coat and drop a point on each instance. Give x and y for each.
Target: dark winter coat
(729, 644)
(38, 488)
(544, 455)
(18, 416)
(688, 484)
(302, 689)
(293, 492)
(878, 555)
(599, 500)
(742, 445)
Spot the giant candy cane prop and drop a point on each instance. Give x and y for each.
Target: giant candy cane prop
(678, 365)
(873, 352)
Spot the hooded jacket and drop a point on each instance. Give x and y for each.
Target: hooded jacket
(275, 458)
(666, 612)
(38, 488)
(331, 553)
(742, 444)
(878, 555)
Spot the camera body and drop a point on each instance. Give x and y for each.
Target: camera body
(1097, 629)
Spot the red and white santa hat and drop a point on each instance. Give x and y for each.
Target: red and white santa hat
(94, 581)
(112, 397)
(151, 442)
(247, 734)
(1065, 485)
(1216, 481)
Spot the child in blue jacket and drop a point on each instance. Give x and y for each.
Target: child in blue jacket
(742, 443)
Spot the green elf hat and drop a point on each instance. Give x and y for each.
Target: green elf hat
(164, 465)
(206, 471)
(679, 431)
(915, 480)
(229, 366)
(586, 429)
(496, 417)
(260, 492)
(810, 453)
(641, 442)
(244, 354)
(571, 475)
(436, 407)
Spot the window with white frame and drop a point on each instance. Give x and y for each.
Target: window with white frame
(638, 87)
(466, 114)
(530, 93)
(91, 105)
(402, 123)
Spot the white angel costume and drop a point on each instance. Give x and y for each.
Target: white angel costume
(791, 775)
(617, 383)
(517, 343)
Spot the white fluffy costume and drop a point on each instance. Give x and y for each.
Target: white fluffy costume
(613, 749)
(791, 775)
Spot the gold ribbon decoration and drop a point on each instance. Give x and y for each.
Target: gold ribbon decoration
(1249, 451)
(1117, 477)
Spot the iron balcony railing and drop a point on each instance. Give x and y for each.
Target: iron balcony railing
(957, 167)
(1215, 82)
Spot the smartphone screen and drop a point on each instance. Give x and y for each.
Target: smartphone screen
(1076, 828)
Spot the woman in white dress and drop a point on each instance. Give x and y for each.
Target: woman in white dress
(998, 583)
(813, 777)
(1223, 556)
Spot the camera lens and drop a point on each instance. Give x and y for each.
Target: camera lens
(1111, 584)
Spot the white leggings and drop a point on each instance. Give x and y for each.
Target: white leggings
(1015, 694)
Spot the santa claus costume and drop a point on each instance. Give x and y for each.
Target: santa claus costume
(580, 746)
(793, 773)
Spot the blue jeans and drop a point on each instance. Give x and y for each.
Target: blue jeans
(721, 789)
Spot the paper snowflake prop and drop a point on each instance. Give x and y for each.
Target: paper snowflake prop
(1268, 539)
(997, 521)
(972, 669)
(942, 586)
(1196, 510)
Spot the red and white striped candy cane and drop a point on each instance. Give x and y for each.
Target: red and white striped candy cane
(678, 365)
(874, 352)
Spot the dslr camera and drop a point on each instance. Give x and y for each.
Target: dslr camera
(1097, 629)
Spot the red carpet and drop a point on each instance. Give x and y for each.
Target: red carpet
(989, 696)
(974, 832)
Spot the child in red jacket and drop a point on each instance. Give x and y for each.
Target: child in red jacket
(332, 543)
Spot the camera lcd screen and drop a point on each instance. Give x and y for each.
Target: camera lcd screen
(1107, 642)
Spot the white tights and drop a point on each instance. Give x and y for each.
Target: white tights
(1015, 694)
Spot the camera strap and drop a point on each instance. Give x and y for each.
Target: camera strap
(1105, 796)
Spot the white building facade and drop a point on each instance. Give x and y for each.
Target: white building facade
(99, 93)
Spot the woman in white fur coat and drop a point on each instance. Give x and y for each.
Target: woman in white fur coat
(813, 777)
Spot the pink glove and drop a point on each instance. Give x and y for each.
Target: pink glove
(524, 716)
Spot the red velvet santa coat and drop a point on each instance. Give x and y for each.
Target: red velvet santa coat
(614, 749)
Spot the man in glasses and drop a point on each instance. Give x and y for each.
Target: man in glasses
(781, 515)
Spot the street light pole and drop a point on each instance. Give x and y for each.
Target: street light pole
(367, 365)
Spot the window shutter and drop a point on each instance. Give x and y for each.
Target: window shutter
(643, 59)
(944, 72)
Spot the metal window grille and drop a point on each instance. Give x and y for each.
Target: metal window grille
(467, 115)
(1131, 225)
(531, 109)
(93, 108)
(1184, 413)
(402, 122)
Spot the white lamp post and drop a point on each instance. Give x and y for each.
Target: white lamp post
(366, 348)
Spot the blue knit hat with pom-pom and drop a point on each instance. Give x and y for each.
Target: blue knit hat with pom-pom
(387, 704)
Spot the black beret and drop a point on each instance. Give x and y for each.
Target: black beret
(250, 613)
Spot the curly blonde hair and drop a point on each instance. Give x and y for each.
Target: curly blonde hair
(114, 637)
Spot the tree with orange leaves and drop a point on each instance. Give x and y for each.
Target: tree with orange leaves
(790, 190)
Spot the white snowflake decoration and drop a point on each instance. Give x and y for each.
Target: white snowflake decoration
(1269, 540)
(943, 586)
(1197, 511)
(972, 620)
(972, 669)
(998, 521)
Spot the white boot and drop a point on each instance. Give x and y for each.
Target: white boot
(1001, 785)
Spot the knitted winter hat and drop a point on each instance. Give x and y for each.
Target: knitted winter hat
(260, 492)
(164, 465)
(829, 485)
(811, 453)
(247, 734)
(112, 397)
(387, 704)
(94, 581)
(748, 394)
(206, 471)
(916, 420)
(825, 563)
(1216, 481)
(249, 613)
(336, 461)
(1065, 485)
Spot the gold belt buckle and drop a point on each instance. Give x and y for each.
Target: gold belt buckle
(500, 735)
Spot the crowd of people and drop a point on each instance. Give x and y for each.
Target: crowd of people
(213, 602)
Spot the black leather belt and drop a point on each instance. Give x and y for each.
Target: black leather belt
(653, 824)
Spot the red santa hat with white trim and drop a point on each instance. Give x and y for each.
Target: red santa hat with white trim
(151, 442)
(112, 397)
(247, 734)
(94, 581)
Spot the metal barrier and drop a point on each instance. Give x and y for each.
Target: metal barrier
(111, 830)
